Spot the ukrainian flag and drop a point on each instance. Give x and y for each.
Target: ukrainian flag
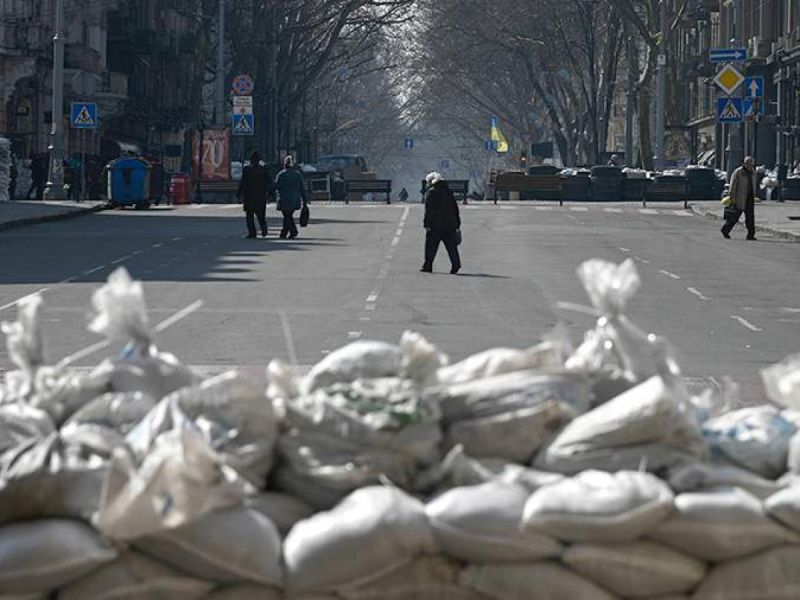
(497, 136)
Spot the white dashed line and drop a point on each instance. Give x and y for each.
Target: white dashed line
(68, 280)
(396, 240)
(625, 250)
(648, 211)
(613, 210)
(543, 208)
(697, 293)
(179, 316)
(579, 209)
(669, 274)
(353, 335)
(287, 334)
(365, 319)
(95, 270)
(19, 300)
(682, 213)
(746, 323)
(369, 307)
(119, 260)
(373, 297)
(157, 245)
(176, 239)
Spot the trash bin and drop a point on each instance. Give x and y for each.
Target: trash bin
(129, 183)
(179, 188)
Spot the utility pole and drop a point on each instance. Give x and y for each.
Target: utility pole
(661, 100)
(219, 112)
(735, 138)
(55, 180)
(630, 100)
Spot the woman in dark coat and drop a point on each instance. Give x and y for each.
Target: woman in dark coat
(291, 191)
(442, 223)
(255, 188)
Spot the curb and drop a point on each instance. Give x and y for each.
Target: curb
(787, 235)
(49, 218)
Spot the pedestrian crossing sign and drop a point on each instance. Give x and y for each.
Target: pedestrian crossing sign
(729, 110)
(84, 115)
(243, 124)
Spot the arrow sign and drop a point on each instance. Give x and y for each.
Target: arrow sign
(727, 55)
(754, 87)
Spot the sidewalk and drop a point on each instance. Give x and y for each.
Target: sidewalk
(18, 213)
(772, 217)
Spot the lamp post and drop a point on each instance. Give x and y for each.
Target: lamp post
(198, 195)
(55, 180)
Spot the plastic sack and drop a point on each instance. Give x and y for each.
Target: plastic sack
(133, 577)
(482, 523)
(245, 591)
(32, 561)
(755, 438)
(61, 393)
(233, 416)
(636, 570)
(362, 359)
(784, 506)
(773, 574)
(420, 361)
(599, 507)
(20, 423)
(119, 411)
(698, 477)
(25, 345)
(720, 525)
(782, 382)
(282, 509)
(531, 581)
(650, 426)
(384, 527)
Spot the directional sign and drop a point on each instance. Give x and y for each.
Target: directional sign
(729, 79)
(727, 54)
(84, 115)
(243, 85)
(490, 145)
(408, 143)
(729, 110)
(752, 108)
(754, 87)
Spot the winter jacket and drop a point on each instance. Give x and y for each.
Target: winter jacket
(441, 209)
(738, 191)
(291, 190)
(255, 187)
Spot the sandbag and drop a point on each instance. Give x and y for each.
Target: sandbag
(784, 506)
(61, 393)
(383, 527)
(120, 411)
(423, 578)
(599, 507)
(482, 523)
(770, 575)
(719, 525)
(636, 570)
(245, 592)
(650, 426)
(282, 509)
(696, 477)
(755, 438)
(133, 577)
(227, 546)
(362, 359)
(531, 581)
(782, 382)
(21, 423)
(44, 555)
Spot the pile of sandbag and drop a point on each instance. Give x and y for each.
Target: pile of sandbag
(386, 473)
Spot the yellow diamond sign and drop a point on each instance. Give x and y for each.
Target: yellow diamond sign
(728, 79)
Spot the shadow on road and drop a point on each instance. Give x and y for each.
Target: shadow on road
(484, 275)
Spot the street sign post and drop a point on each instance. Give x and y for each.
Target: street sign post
(84, 115)
(243, 85)
(729, 110)
(754, 87)
(717, 55)
(729, 79)
(243, 120)
(408, 143)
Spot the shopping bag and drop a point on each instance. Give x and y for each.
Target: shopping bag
(305, 215)
(732, 213)
(726, 201)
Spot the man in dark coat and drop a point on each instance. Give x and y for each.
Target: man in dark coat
(442, 223)
(291, 192)
(255, 188)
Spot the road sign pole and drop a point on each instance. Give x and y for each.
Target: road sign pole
(661, 100)
(55, 181)
(219, 116)
(735, 139)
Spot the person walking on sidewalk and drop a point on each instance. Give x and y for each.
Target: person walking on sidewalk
(442, 223)
(291, 193)
(255, 188)
(743, 198)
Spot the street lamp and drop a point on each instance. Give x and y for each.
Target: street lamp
(55, 180)
(201, 125)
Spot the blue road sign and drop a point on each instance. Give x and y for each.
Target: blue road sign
(408, 143)
(754, 87)
(84, 115)
(727, 55)
(243, 124)
(490, 145)
(753, 107)
(729, 110)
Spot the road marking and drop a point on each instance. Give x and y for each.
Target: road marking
(644, 261)
(396, 240)
(543, 208)
(697, 293)
(176, 239)
(399, 232)
(178, 316)
(746, 323)
(648, 211)
(682, 213)
(624, 249)
(613, 210)
(791, 310)
(353, 335)
(68, 280)
(20, 300)
(287, 335)
(119, 260)
(369, 307)
(158, 245)
(669, 274)
(365, 319)
(373, 297)
(579, 208)
(95, 270)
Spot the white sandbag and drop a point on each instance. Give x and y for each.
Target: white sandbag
(24, 339)
(117, 410)
(44, 555)
(636, 570)
(599, 507)
(782, 382)
(755, 438)
(483, 523)
(227, 546)
(134, 577)
(361, 359)
(370, 533)
(20, 423)
(531, 581)
(234, 417)
(419, 359)
(245, 592)
(61, 393)
(721, 524)
(319, 495)
(650, 426)
(784, 506)
(770, 575)
(700, 476)
(282, 509)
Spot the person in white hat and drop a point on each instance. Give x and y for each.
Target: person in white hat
(442, 223)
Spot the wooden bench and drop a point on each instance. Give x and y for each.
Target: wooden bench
(219, 191)
(542, 187)
(369, 186)
(459, 187)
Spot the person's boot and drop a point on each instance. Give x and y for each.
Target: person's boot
(426, 269)
(725, 234)
(455, 270)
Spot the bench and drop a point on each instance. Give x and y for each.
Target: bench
(318, 186)
(540, 187)
(219, 191)
(369, 186)
(459, 187)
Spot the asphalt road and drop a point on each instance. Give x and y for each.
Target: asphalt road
(730, 307)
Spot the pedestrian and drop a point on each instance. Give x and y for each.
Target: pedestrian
(442, 223)
(40, 164)
(403, 195)
(255, 188)
(743, 198)
(291, 196)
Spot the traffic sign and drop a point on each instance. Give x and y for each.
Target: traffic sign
(729, 79)
(408, 143)
(243, 101)
(729, 110)
(243, 85)
(444, 164)
(727, 54)
(754, 87)
(490, 145)
(84, 115)
(243, 124)
(752, 108)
